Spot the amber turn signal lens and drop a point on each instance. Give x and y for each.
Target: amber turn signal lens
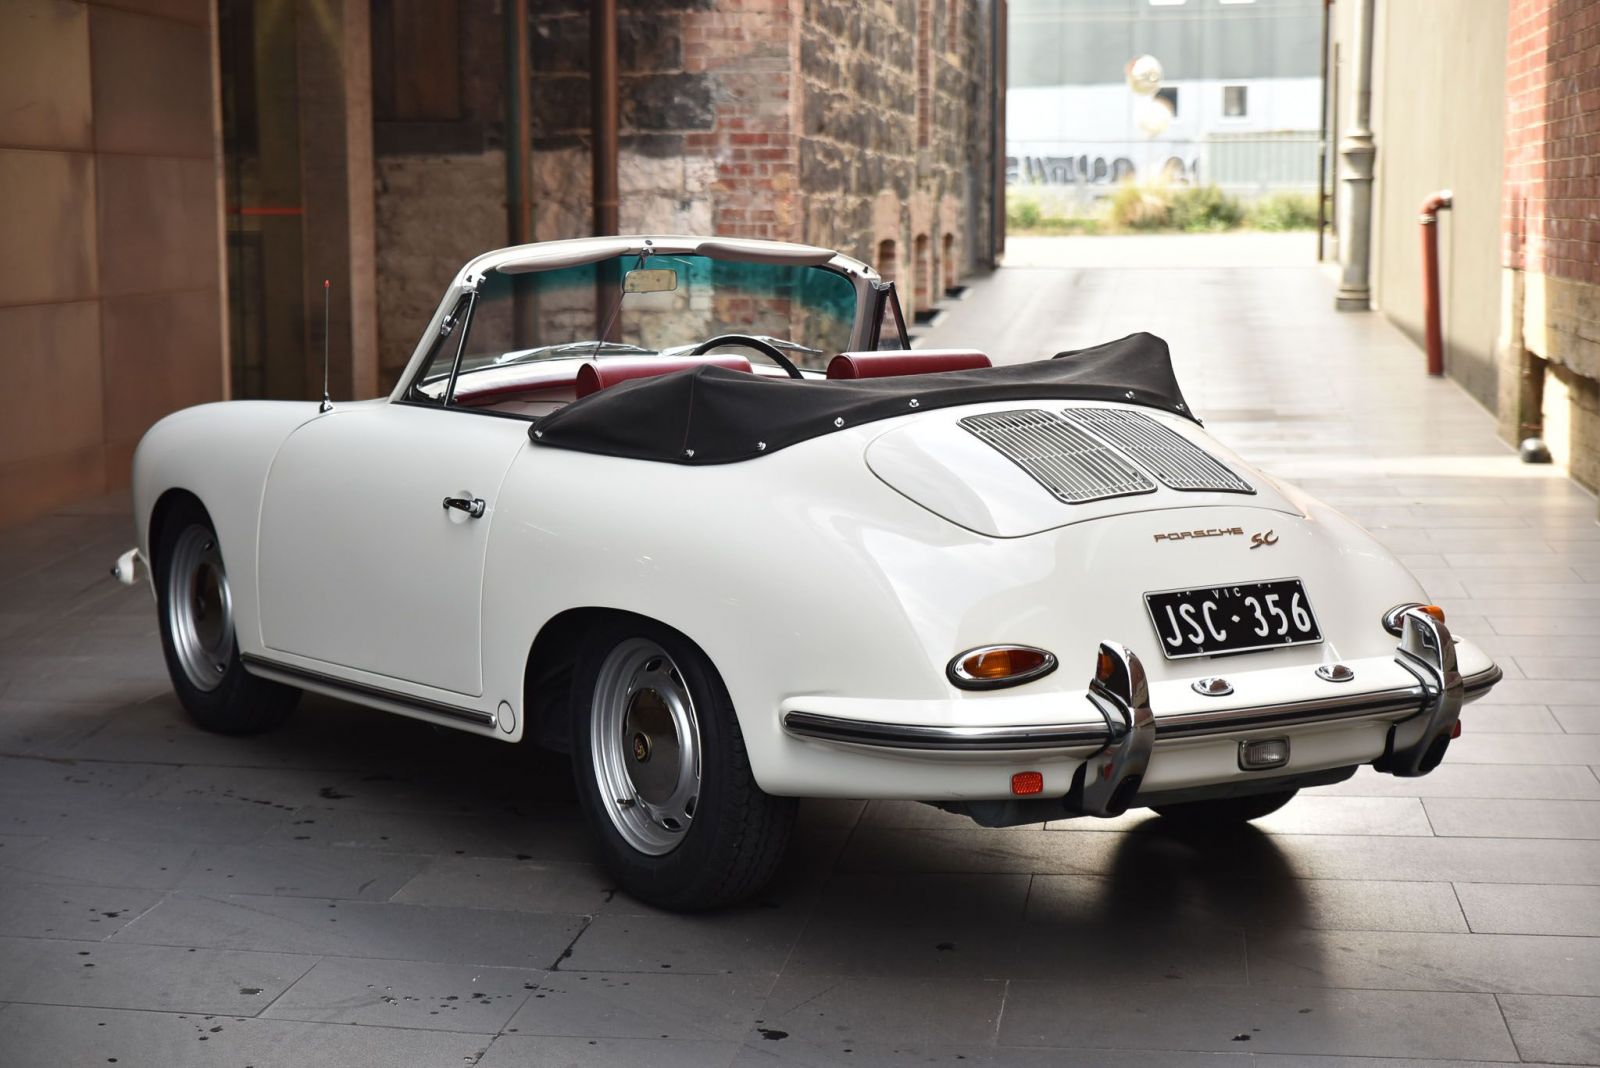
(1392, 618)
(999, 665)
(1024, 783)
(1104, 666)
(1002, 663)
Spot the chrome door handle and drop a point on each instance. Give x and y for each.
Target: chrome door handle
(473, 506)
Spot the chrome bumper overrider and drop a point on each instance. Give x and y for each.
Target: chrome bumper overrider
(1128, 730)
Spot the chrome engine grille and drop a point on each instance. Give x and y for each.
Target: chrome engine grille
(1172, 458)
(1073, 466)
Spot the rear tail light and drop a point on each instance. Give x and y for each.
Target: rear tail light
(992, 667)
(1391, 618)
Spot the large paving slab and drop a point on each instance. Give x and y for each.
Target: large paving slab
(359, 890)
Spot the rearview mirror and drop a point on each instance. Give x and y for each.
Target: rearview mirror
(650, 280)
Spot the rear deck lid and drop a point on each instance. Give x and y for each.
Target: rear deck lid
(1012, 470)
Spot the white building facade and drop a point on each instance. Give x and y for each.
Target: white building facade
(1241, 81)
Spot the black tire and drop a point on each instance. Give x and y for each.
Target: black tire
(236, 702)
(736, 833)
(1225, 811)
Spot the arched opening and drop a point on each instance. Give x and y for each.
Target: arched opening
(886, 264)
(947, 260)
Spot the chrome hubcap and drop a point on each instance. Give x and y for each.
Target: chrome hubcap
(200, 608)
(646, 746)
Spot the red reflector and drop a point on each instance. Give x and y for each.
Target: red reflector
(1027, 782)
(1455, 732)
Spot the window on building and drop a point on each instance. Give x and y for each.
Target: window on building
(416, 57)
(1169, 93)
(1235, 101)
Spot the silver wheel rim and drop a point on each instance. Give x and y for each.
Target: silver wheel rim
(645, 743)
(200, 608)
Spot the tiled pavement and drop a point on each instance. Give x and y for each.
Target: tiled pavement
(359, 890)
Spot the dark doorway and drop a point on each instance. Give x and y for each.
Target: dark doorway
(263, 209)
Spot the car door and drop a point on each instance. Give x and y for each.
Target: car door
(362, 562)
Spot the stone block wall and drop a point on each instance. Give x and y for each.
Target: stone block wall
(703, 134)
(796, 120)
(439, 166)
(890, 142)
(1551, 229)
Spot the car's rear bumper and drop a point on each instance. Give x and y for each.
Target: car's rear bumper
(1008, 739)
(1108, 749)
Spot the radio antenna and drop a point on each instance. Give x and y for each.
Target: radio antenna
(327, 405)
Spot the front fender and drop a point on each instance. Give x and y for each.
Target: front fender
(220, 453)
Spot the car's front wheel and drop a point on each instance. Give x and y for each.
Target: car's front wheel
(663, 775)
(1225, 811)
(195, 604)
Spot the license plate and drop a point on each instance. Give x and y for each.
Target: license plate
(1232, 619)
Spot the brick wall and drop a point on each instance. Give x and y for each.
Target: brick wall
(1551, 224)
(820, 121)
(1552, 197)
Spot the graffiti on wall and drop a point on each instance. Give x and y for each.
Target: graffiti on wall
(1093, 170)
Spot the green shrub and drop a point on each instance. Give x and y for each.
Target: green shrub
(1204, 208)
(1140, 207)
(1022, 211)
(1284, 211)
(1029, 211)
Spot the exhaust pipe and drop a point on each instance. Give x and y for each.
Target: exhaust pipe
(1431, 208)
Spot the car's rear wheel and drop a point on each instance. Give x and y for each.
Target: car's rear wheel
(195, 604)
(1223, 811)
(663, 775)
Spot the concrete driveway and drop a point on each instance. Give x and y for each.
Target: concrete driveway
(360, 890)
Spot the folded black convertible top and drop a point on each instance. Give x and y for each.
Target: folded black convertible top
(710, 415)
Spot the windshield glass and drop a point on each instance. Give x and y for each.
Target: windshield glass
(656, 304)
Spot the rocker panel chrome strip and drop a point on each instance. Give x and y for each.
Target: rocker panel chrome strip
(355, 690)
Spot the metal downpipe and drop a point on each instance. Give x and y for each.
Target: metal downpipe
(1429, 219)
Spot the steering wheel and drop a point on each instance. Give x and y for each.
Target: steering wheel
(766, 348)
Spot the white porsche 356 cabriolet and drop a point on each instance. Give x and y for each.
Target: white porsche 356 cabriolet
(666, 504)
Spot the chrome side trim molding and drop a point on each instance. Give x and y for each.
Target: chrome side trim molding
(945, 739)
(356, 691)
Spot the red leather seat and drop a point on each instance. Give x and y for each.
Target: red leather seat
(903, 362)
(593, 377)
(491, 386)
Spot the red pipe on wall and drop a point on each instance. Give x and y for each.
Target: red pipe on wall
(1430, 278)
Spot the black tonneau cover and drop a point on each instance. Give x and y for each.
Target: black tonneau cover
(710, 415)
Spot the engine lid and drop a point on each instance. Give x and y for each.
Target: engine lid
(1008, 471)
